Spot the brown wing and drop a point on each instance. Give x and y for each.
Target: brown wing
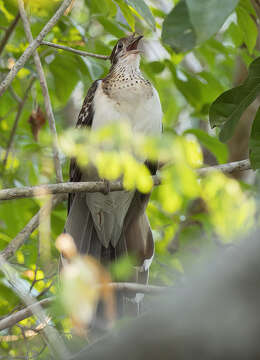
(85, 119)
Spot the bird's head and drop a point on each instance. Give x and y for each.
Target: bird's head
(124, 47)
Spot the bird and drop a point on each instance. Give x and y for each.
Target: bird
(110, 225)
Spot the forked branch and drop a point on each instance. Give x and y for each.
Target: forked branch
(33, 46)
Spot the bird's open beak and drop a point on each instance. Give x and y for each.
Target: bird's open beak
(134, 43)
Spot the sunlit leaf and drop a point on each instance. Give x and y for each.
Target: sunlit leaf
(143, 10)
(212, 144)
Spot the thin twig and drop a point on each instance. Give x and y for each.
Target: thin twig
(55, 341)
(14, 95)
(22, 236)
(8, 32)
(33, 46)
(45, 91)
(75, 51)
(99, 186)
(20, 315)
(18, 115)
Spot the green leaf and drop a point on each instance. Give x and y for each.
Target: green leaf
(128, 14)
(248, 28)
(207, 17)
(177, 30)
(67, 70)
(227, 109)
(218, 149)
(111, 27)
(254, 142)
(143, 10)
(193, 22)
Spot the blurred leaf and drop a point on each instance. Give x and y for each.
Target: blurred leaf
(143, 10)
(193, 22)
(207, 17)
(128, 14)
(67, 70)
(36, 120)
(248, 27)
(112, 27)
(227, 109)
(217, 148)
(254, 142)
(178, 31)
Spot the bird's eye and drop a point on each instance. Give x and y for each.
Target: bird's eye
(120, 46)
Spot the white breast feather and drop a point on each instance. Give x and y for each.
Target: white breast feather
(142, 111)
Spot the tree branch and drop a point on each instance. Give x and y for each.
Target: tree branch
(33, 46)
(228, 168)
(18, 114)
(99, 186)
(22, 236)
(8, 32)
(75, 51)
(7, 194)
(45, 91)
(20, 315)
(54, 340)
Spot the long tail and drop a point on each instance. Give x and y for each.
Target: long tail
(80, 226)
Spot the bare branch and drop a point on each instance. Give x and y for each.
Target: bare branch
(99, 186)
(55, 341)
(33, 46)
(138, 288)
(18, 114)
(20, 238)
(8, 194)
(8, 32)
(228, 168)
(31, 191)
(75, 51)
(45, 91)
(20, 315)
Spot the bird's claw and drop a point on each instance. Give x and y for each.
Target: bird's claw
(106, 187)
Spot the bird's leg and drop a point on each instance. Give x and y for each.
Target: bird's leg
(107, 187)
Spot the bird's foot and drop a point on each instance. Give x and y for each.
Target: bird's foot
(106, 187)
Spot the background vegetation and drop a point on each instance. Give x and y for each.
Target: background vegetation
(194, 53)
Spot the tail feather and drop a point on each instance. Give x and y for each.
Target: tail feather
(136, 238)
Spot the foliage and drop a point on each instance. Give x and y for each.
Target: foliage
(191, 53)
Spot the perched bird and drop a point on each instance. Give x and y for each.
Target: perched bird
(110, 225)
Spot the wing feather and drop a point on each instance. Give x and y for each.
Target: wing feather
(85, 119)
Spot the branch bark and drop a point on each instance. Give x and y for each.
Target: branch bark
(18, 114)
(45, 91)
(99, 186)
(228, 168)
(7, 194)
(54, 340)
(20, 315)
(33, 46)
(9, 32)
(75, 51)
